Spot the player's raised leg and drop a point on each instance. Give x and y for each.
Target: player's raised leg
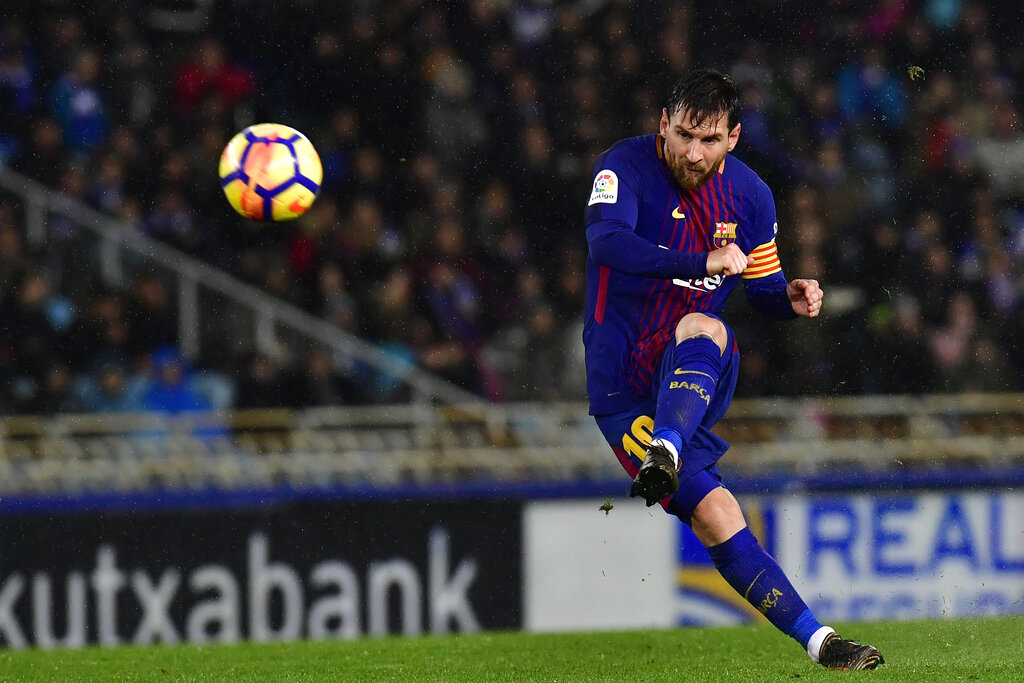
(685, 393)
(719, 524)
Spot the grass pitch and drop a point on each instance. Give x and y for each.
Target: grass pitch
(954, 650)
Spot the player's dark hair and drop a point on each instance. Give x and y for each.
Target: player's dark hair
(705, 93)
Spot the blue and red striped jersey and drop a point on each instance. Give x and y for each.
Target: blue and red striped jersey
(635, 299)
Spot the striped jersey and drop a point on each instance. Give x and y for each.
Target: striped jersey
(630, 318)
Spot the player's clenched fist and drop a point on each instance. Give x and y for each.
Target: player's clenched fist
(729, 260)
(805, 296)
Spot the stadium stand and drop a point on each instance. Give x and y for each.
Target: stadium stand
(456, 159)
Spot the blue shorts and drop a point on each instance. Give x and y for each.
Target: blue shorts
(629, 433)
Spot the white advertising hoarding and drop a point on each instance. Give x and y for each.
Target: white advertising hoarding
(587, 569)
(909, 556)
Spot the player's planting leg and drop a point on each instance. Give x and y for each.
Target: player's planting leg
(684, 395)
(755, 575)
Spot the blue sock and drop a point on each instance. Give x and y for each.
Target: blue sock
(756, 576)
(686, 392)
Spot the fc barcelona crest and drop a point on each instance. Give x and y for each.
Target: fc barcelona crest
(725, 233)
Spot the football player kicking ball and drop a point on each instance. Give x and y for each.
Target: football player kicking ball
(673, 224)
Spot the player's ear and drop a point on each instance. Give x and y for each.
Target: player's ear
(734, 136)
(663, 128)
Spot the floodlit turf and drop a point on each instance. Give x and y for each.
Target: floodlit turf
(961, 650)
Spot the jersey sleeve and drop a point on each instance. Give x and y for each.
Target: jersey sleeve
(763, 259)
(611, 218)
(615, 195)
(763, 279)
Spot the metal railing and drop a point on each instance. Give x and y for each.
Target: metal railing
(380, 446)
(269, 315)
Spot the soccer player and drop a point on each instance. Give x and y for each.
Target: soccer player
(673, 224)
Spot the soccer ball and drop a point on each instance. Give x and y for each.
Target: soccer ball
(270, 172)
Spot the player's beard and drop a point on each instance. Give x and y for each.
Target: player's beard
(691, 178)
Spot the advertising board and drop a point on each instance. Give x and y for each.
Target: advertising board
(877, 556)
(281, 572)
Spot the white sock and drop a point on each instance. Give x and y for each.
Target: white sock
(817, 638)
(670, 448)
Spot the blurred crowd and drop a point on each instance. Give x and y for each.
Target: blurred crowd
(457, 140)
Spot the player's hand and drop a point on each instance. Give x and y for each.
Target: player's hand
(805, 296)
(729, 260)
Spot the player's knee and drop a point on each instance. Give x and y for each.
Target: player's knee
(700, 325)
(717, 517)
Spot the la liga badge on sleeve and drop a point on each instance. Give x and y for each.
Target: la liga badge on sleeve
(606, 188)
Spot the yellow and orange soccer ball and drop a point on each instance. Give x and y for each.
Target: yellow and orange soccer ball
(270, 172)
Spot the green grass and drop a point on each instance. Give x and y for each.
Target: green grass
(960, 650)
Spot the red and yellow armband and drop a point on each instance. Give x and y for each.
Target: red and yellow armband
(762, 261)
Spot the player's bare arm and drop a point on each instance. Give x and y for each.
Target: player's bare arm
(729, 260)
(805, 296)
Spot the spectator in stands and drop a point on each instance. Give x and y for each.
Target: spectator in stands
(401, 331)
(171, 389)
(988, 369)
(319, 383)
(78, 104)
(367, 244)
(112, 389)
(133, 62)
(453, 124)
(43, 155)
(38, 342)
(897, 338)
(870, 89)
(17, 79)
(952, 344)
(209, 83)
(109, 190)
(55, 395)
(337, 304)
(17, 95)
(150, 316)
(261, 384)
(173, 220)
(999, 151)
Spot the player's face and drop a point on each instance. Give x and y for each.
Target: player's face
(695, 153)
